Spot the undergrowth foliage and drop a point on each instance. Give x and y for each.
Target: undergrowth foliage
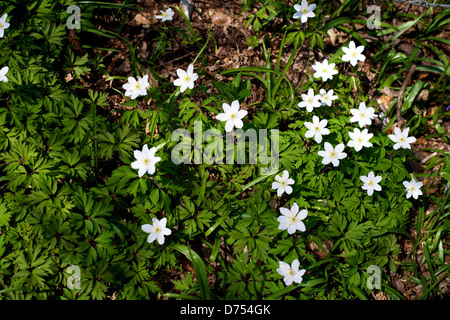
(82, 184)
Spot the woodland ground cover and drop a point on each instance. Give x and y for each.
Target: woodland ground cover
(244, 150)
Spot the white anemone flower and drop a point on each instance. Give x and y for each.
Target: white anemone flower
(135, 88)
(371, 183)
(291, 220)
(331, 154)
(186, 78)
(3, 72)
(166, 15)
(283, 183)
(316, 129)
(304, 11)
(324, 70)
(232, 115)
(360, 139)
(363, 115)
(353, 54)
(157, 230)
(3, 24)
(413, 188)
(310, 101)
(291, 273)
(327, 97)
(145, 160)
(401, 138)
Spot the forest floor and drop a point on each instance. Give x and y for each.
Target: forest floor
(228, 49)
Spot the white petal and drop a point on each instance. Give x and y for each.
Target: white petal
(181, 73)
(151, 169)
(183, 87)
(151, 237)
(328, 147)
(302, 214)
(284, 224)
(4, 71)
(147, 228)
(309, 134)
(160, 239)
(318, 137)
(235, 106)
(291, 229)
(295, 264)
(288, 189)
(238, 123)
(226, 108)
(280, 191)
(339, 148)
(241, 113)
(285, 211)
(222, 117)
(178, 82)
(142, 171)
(283, 269)
(229, 125)
(294, 208)
(136, 164)
(162, 222)
(322, 153)
(300, 226)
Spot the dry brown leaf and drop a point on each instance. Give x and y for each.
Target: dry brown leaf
(144, 19)
(389, 92)
(423, 95)
(384, 102)
(318, 252)
(220, 18)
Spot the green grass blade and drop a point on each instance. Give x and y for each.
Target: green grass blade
(199, 268)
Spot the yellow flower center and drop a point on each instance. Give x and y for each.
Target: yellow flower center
(332, 154)
(304, 11)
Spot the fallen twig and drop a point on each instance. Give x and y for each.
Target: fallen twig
(400, 120)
